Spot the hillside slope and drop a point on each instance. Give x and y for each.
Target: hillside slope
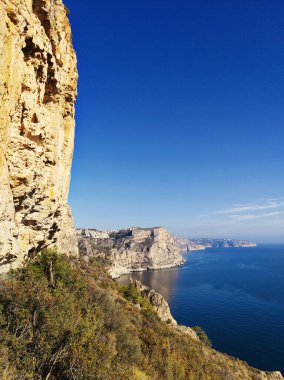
(63, 319)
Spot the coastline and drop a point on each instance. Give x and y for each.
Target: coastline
(231, 306)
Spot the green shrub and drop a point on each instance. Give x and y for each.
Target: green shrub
(52, 324)
(133, 294)
(202, 336)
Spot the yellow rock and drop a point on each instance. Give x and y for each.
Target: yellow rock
(38, 88)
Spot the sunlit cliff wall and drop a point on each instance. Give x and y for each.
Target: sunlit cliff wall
(38, 87)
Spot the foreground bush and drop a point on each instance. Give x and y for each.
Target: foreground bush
(55, 326)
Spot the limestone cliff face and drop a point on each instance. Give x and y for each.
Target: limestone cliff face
(38, 87)
(134, 249)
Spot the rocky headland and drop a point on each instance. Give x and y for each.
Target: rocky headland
(185, 244)
(129, 250)
(224, 243)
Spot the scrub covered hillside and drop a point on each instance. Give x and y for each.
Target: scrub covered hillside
(63, 319)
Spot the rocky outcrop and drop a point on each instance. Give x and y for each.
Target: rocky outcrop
(157, 301)
(186, 245)
(95, 234)
(162, 308)
(38, 87)
(133, 249)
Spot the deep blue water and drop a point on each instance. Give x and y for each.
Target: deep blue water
(235, 294)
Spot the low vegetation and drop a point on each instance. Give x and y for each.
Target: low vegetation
(62, 319)
(202, 336)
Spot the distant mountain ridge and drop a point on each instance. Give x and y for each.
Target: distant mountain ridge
(203, 243)
(223, 243)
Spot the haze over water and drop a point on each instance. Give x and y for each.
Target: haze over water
(235, 294)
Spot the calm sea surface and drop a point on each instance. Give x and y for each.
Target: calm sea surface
(235, 294)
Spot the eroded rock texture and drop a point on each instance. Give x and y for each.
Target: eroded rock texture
(38, 87)
(130, 250)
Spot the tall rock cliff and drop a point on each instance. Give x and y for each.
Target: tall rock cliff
(133, 249)
(38, 87)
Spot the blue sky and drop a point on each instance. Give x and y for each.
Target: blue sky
(180, 116)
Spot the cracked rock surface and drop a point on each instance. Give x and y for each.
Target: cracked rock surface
(132, 249)
(38, 88)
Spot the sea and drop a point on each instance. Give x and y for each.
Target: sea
(235, 294)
